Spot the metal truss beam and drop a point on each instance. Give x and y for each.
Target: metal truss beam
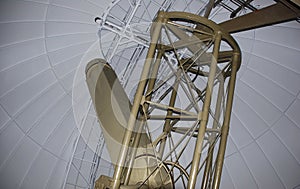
(282, 11)
(189, 118)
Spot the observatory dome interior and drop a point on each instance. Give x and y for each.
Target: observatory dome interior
(48, 135)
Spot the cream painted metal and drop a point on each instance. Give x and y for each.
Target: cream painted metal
(111, 104)
(113, 109)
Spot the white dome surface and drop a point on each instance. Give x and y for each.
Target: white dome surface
(41, 45)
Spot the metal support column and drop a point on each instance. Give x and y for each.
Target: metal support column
(212, 139)
(167, 125)
(225, 127)
(137, 138)
(205, 112)
(136, 104)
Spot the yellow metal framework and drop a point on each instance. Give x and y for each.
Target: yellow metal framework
(174, 134)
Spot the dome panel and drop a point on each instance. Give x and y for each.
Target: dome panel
(275, 72)
(4, 118)
(35, 178)
(246, 57)
(11, 31)
(277, 153)
(62, 14)
(40, 1)
(27, 52)
(287, 132)
(67, 66)
(245, 43)
(248, 34)
(220, 16)
(290, 40)
(20, 52)
(16, 99)
(67, 81)
(39, 107)
(88, 6)
(68, 148)
(239, 133)
(263, 108)
(9, 139)
(286, 57)
(249, 117)
(237, 168)
(15, 75)
(56, 179)
(66, 53)
(60, 136)
(275, 94)
(54, 28)
(14, 171)
(15, 11)
(61, 41)
(54, 118)
(260, 167)
(226, 181)
(262, 3)
(293, 112)
(291, 24)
